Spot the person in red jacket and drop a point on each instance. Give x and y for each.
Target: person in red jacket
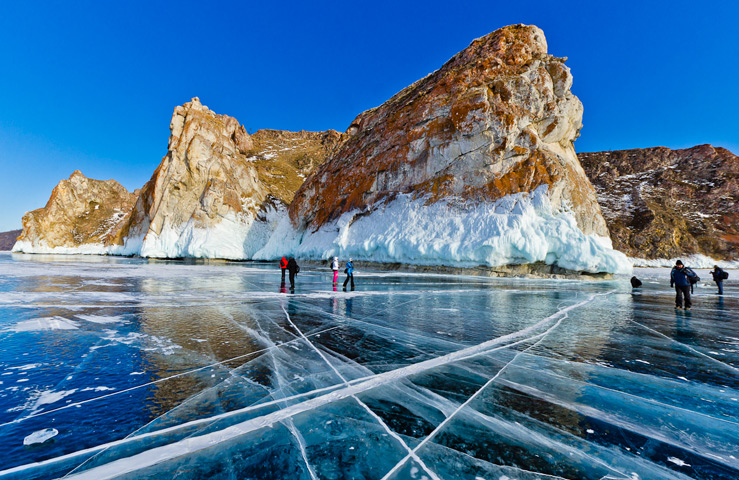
(283, 267)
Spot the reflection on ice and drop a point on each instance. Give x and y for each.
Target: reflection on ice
(206, 370)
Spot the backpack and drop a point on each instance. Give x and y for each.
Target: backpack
(724, 275)
(693, 278)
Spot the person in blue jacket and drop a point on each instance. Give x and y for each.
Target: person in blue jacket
(718, 277)
(679, 279)
(349, 273)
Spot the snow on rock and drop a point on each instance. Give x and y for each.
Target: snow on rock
(661, 203)
(40, 436)
(517, 229)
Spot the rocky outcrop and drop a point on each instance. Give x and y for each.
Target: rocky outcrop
(80, 212)
(214, 191)
(497, 119)
(213, 194)
(472, 165)
(7, 239)
(662, 203)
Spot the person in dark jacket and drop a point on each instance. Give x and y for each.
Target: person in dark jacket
(293, 268)
(349, 273)
(283, 267)
(718, 277)
(679, 279)
(635, 282)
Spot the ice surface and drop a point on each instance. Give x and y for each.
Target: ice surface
(40, 436)
(181, 370)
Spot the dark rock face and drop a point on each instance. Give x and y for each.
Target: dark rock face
(7, 239)
(662, 203)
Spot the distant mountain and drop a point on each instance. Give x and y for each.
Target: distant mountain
(472, 165)
(662, 203)
(7, 239)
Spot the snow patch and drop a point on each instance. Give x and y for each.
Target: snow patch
(693, 261)
(678, 462)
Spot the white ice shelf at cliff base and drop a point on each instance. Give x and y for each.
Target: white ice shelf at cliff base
(517, 229)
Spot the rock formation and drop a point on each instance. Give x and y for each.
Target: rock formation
(473, 164)
(496, 119)
(213, 192)
(211, 196)
(81, 212)
(7, 239)
(662, 203)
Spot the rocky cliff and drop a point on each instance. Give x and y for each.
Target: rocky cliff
(214, 194)
(662, 203)
(7, 239)
(472, 164)
(496, 119)
(80, 215)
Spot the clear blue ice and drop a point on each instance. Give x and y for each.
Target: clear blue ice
(211, 370)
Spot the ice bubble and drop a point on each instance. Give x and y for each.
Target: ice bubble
(40, 436)
(678, 462)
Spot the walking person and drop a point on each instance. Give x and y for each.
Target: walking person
(335, 268)
(283, 267)
(680, 279)
(719, 276)
(349, 270)
(293, 268)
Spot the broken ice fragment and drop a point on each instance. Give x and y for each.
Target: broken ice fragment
(40, 436)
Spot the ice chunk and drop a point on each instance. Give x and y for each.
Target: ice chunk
(102, 319)
(40, 436)
(46, 323)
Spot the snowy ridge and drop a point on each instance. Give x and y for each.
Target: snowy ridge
(693, 261)
(516, 229)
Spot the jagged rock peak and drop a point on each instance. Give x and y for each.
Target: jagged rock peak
(218, 178)
(497, 119)
(200, 118)
(663, 203)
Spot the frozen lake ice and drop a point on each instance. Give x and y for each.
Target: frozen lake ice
(166, 369)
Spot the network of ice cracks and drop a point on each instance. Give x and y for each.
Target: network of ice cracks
(391, 400)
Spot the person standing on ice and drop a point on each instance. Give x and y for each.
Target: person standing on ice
(283, 267)
(335, 268)
(680, 279)
(293, 268)
(349, 270)
(719, 276)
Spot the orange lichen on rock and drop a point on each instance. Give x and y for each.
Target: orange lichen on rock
(498, 118)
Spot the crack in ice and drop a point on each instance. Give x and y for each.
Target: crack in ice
(190, 445)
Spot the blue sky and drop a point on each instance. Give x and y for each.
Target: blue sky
(92, 85)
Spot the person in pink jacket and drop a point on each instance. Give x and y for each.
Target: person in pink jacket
(335, 268)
